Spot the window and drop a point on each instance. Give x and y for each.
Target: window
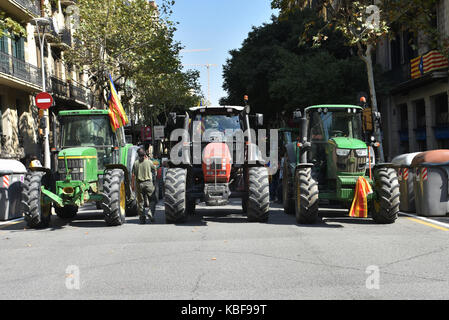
(18, 48)
(4, 44)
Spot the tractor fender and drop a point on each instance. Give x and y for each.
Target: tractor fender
(304, 165)
(41, 169)
(384, 165)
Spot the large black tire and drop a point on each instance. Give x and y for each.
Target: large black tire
(66, 212)
(258, 195)
(385, 207)
(306, 197)
(175, 195)
(114, 197)
(288, 200)
(161, 188)
(36, 214)
(131, 207)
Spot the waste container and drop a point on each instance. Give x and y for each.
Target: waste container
(406, 176)
(12, 176)
(431, 183)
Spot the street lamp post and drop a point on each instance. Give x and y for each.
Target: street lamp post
(38, 22)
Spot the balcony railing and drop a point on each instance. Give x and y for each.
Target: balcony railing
(32, 5)
(80, 93)
(59, 87)
(20, 69)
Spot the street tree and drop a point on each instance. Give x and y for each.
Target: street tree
(278, 74)
(133, 41)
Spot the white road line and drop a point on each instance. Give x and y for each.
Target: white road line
(10, 221)
(438, 223)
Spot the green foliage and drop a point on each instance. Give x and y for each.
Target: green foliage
(278, 72)
(133, 41)
(10, 26)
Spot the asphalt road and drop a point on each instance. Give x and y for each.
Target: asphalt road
(218, 255)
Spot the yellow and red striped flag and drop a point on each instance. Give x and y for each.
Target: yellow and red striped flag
(116, 112)
(359, 207)
(431, 61)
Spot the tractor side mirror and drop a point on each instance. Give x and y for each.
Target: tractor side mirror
(259, 118)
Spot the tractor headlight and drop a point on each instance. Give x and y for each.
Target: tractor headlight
(362, 152)
(342, 152)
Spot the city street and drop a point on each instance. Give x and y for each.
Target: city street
(218, 255)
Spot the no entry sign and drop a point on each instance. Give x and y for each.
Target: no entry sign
(44, 100)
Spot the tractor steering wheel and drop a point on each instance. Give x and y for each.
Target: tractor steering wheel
(338, 133)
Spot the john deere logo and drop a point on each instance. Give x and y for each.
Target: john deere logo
(352, 160)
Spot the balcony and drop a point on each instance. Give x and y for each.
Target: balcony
(59, 87)
(79, 93)
(20, 70)
(31, 5)
(22, 9)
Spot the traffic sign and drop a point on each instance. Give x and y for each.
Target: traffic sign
(44, 100)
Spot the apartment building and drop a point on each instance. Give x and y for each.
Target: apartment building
(21, 77)
(416, 113)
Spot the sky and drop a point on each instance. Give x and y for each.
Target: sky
(218, 25)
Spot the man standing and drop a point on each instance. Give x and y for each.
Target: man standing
(142, 182)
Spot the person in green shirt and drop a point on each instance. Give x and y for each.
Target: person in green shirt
(142, 182)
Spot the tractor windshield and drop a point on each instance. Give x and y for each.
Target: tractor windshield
(221, 123)
(335, 123)
(86, 131)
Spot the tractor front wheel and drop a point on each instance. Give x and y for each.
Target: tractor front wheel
(66, 212)
(114, 197)
(385, 207)
(306, 197)
(175, 195)
(37, 214)
(258, 204)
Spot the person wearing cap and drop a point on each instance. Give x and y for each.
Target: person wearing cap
(142, 182)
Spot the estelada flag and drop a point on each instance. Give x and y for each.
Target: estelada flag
(359, 207)
(431, 61)
(116, 112)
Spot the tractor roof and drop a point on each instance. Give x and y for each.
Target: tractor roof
(83, 112)
(334, 106)
(217, 108)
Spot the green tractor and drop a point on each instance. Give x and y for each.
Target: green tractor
(91, 163)
(326, 162)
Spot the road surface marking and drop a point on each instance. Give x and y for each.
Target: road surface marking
(428, 222)
(11, 222)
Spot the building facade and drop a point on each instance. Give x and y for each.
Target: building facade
(416, 112)
(21, 75)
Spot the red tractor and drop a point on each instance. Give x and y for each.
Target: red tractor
(216, 158)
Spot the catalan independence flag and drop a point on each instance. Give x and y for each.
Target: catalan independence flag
(359, 207)
(117, 114)
(431, 61)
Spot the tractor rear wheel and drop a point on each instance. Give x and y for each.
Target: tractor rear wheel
(114, 197)
(66, 212)
(175, 195)
(306, 197)
(287, 190)
(258, 204)
(385, 207)
(37, 214)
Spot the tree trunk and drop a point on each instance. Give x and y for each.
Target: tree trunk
(367, 58)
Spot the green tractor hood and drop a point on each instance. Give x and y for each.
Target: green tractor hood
(348, 143)
(81, 164)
